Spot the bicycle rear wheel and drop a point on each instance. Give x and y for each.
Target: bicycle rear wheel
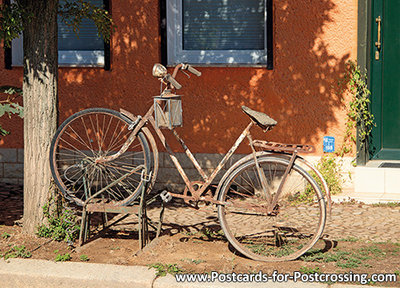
(83, 138)
(296, 223)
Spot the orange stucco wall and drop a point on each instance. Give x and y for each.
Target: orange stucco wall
(312, 42)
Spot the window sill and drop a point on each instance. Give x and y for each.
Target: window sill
(101, 66)
(226, 65)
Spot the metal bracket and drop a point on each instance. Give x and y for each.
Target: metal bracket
(132, 125)
(145, 177)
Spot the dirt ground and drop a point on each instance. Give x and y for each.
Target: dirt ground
(201, 250)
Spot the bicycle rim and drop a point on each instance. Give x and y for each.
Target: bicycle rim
(83, 138)
(297, 221)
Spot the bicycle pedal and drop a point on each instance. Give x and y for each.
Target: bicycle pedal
(166, 196)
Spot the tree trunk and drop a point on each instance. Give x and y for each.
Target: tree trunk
(40, 104)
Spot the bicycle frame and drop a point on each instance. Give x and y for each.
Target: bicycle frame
(289, 150)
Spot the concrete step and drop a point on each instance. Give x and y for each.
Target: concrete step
(374, 185)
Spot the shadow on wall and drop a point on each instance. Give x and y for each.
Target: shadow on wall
(312, 42)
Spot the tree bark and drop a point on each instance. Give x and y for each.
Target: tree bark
(40, 105)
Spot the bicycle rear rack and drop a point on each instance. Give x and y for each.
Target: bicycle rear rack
(281, 147)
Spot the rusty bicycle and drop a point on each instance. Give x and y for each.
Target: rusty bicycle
(270, 207)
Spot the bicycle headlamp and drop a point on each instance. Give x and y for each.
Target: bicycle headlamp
(159, 70)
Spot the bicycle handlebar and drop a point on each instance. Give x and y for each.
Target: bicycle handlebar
(188, 67)
(194, 71)
(172, 80)
(162, 73)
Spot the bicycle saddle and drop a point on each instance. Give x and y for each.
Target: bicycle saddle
(262, 119)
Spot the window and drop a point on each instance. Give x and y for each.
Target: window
(219, 32)
(86, 49)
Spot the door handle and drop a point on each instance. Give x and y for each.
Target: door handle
(378, 43)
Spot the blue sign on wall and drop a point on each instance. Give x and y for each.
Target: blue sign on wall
(329, 144)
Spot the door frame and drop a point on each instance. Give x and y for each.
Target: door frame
(367, 33)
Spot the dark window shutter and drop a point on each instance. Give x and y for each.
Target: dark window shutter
(270, 31)
(7, 58)
(7, 51)
(163, 31)
(107, 46)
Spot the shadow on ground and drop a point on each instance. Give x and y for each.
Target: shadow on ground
(11, 203)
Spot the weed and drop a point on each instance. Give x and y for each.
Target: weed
(351, 262)
(371, 250)
(386, 204)
(62, 224)
(115, 248)
(309, 270)
(349, 239)
(343, 259)
(5, 235)
(262, 249)
(163, 269)
(17, 252)
(330, 169)
(195, 261)
(84, 257)
(210, 234)
(62, 257)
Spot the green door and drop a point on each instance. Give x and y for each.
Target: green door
(385, 79)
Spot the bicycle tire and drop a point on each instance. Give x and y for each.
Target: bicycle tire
(294, 228)
(80, 140)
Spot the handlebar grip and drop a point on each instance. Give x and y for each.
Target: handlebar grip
(194, 71)
(175, 83)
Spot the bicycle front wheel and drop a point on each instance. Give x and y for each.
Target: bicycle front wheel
(87, 136)
(293, 227)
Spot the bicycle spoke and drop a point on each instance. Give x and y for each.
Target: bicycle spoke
(74, 149)
(117, 139)
(80, 139)
(87, 135)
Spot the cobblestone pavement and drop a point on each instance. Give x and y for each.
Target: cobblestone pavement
(365, 222)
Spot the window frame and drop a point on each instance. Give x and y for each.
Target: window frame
(176, 54)
(66, 58)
